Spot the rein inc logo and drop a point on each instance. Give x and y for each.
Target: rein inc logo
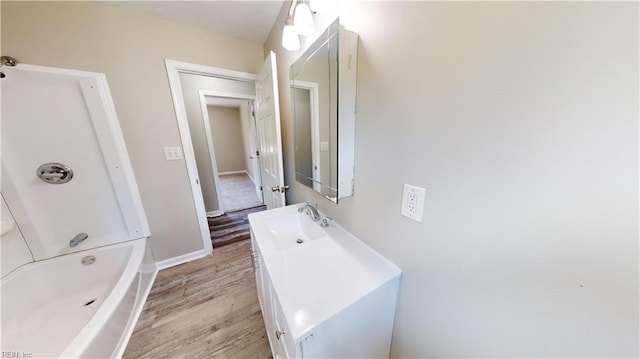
(16, 354)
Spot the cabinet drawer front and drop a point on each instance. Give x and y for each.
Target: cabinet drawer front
(286, 338)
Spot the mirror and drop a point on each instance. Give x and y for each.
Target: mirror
(323, 93)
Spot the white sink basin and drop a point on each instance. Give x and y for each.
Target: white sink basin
(292, 229)
(321, 276)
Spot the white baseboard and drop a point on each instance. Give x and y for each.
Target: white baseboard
(215, 213)
(255, 184)
(171, 262)
(251, 178)
(232, 173)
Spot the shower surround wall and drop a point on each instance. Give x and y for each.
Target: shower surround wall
(52, 115)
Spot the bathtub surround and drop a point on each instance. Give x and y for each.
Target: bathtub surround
(98, 206)
(14, 249)
(521, 121)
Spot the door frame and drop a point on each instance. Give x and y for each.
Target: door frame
(312, 87)
(203, 94)
(174, 68)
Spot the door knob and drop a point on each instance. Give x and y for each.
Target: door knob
(279, 334)
(280, 189)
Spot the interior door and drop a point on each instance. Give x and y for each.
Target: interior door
(270, 138)
(254, 150)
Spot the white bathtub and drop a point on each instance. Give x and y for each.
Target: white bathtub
(62, 308)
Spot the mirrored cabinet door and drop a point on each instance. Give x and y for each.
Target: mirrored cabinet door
(323, 91)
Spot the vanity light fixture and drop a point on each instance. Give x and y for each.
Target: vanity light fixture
(300, 22)
(290, 40)
(321, 6)
(303, 19)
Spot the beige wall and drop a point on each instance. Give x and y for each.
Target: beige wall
(130, 48)
(228, 139)
(521, 121)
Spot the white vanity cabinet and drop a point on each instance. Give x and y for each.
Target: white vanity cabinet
(323, 292)
(282, 345)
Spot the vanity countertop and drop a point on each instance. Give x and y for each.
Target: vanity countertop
(315, 279)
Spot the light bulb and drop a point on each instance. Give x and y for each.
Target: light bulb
(303, 20)
(290, 40)
(322, 6)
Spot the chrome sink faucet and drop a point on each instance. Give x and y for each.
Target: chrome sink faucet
(311, 211)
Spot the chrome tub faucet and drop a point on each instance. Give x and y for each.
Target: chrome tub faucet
(75, 241)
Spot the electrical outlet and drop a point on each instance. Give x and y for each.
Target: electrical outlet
(172, 153)
(412, 202)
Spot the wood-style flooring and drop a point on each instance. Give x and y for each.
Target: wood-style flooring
(231, 226)
(207, 308)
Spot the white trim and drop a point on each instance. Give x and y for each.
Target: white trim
(253, 130)
(234, 173)
(252, 180)
(115, 153)
(212, 153)
(173, 73)
(174, 68)
(172, 262)
(215, 213)
(315, 129)
(195, 69)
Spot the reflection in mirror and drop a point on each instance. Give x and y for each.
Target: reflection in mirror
(323, 97)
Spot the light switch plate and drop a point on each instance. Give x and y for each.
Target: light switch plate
(413, 202)
(172, 153)
(324, 146)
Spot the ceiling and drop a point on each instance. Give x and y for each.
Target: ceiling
(247, 20)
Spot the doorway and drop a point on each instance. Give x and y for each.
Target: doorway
(183, 79)
(230, 129)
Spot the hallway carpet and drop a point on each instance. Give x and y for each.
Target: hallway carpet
(231, 227)
(238, 191)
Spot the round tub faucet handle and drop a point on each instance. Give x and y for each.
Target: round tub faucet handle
(55, 173)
